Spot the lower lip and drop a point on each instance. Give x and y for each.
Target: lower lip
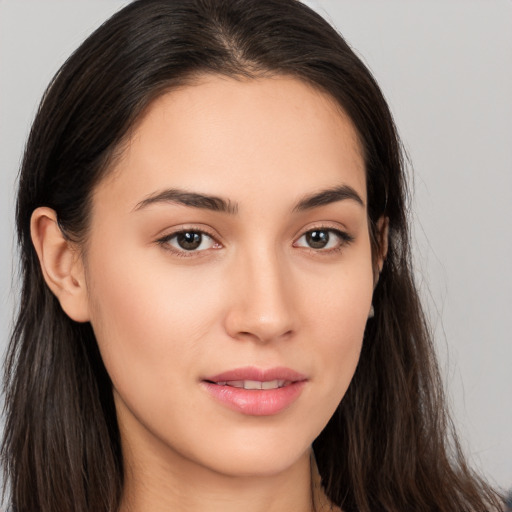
(256, 402)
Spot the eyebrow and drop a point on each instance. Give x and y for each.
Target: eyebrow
(218, 204)
(192, 199)
(328, 196)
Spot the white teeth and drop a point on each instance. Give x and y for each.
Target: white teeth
(235, 383)
(272, 384)
(254, 384)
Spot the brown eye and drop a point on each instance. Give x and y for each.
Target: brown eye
(317, 239)
(324, 239)
(189, 240)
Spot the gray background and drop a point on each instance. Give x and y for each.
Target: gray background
(446, 70)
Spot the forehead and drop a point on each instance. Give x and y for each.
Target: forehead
(240, 137)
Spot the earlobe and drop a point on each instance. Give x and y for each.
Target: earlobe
(61, 264)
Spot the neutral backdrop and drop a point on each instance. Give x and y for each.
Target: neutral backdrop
(445, 67)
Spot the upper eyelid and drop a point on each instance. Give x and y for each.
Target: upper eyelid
(169, 233)
(164, 242)
(346, 237)
(337, 229)
(323, 226)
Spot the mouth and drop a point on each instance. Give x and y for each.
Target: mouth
(256, 392)
(254, 384)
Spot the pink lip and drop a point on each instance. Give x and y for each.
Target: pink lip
(259, 402)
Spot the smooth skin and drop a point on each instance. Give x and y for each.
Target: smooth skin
(178, 292)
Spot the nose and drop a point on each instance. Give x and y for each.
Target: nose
(262, 303)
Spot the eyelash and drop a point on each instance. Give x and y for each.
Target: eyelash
(183, 253)
(345, 239)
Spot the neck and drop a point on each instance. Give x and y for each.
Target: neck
(161, 487)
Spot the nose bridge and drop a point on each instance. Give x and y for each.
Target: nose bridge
(263, 304)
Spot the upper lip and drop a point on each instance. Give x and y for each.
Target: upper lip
(258, 374)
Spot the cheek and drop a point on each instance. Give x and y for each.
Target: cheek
(338, 313)
(147, 319)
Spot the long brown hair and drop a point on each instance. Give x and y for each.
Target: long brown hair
(389, 445)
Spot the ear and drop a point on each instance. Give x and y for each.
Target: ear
(61, 264)
(382, 246)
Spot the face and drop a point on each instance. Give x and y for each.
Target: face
(229, 249)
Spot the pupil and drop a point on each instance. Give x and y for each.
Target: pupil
(317, 239)
(189, 240)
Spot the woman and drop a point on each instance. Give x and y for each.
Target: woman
(217, 298)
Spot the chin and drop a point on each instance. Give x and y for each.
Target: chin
(259, 458)
(258, 466)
